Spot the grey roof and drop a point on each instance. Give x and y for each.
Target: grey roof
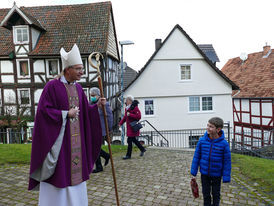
(129, 75)
(209, 52)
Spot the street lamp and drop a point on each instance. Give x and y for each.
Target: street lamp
(122, 43)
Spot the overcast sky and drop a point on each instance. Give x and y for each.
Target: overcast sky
(232, 26)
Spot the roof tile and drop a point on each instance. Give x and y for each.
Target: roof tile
(84, 24)
(255, 76)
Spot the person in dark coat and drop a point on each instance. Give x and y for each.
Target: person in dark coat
(213, 156)
(132, 113)
(94, 97)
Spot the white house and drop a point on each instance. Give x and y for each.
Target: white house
(180, 87)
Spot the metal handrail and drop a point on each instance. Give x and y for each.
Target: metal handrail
(143, 121)
(244, 148)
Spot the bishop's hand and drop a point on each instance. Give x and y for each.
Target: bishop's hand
(73, 112)
(101, 101)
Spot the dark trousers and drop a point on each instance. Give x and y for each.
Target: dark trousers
(136, 142)
(211, 185)
(98, 162)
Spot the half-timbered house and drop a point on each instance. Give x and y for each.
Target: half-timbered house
(31, 38)
(253, 105)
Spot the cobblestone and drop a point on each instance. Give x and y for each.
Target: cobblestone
(161, 177)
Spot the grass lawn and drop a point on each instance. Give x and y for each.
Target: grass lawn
(257, 172)
(20, 153)
(15, 153)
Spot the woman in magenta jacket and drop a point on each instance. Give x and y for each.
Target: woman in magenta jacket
(132, 113)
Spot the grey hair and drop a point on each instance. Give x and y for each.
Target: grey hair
(95, 90)
(130, 97)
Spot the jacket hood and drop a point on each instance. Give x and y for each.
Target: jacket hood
(134, 104)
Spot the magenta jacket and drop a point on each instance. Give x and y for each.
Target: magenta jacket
(135, 115)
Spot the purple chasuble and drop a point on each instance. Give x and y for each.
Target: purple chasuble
(69, 169)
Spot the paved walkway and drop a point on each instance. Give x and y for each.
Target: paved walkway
(161, 177)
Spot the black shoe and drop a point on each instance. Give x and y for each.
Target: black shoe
(142, 153)
(126, 157)
(106, 161)
(97, 170)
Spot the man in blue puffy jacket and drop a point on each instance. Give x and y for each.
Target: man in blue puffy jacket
(213, 156)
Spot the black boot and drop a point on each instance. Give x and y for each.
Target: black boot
(97, 170)
(106, 156)
(142, 153)
(99, 167)
(126, 157)
(107, 160)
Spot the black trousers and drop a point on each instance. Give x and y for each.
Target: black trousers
(136, 142)
(211, 186)
(98, 162)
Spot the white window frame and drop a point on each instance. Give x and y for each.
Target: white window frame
(85, 66)
(19, 96)
(180, 73)
(9, 96)
(153, 102)
(18, 68)
(47, 67)
(201, 105)
(86, 91)
(15, 28)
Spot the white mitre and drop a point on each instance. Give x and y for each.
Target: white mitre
(73, 57)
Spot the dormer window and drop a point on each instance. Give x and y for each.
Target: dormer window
(21, 34)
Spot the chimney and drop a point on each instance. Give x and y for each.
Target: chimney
(158, 43)
(266, 50)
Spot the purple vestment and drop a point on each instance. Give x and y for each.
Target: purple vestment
(48, 123)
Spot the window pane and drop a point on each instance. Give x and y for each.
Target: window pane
(149, 108)
(207, 103)
(185, 72)
(22, 34)
(84, 65)
(24, 68)
(193, 140)
(109, 63)
(24, 94)
(25, 37)
(194, 104)
(24, 31)
(53, 67)
(19, 35)
(25, 34)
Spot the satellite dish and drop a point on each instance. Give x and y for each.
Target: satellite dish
(243, 56)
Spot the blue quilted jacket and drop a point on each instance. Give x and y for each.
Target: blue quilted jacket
(213, 157)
